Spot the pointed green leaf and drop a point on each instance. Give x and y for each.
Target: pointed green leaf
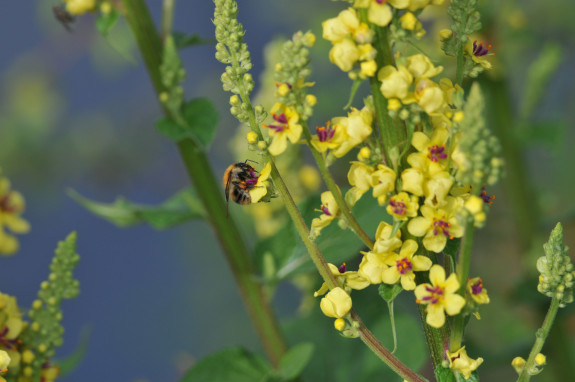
(70, 363)
(202, 118)
(444, 375)
(180, 208)
(172, 130)
(292, 364)
(229, 365)
(107, 21)
(389, 292)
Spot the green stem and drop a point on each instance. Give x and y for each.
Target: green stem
(336, 192)
(168, 18)
(385, 355)
(436, 338)
(462, 270)
(541, 336)
(460, 62)
(208, 188)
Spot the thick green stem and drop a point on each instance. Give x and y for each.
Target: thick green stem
(460, 62)
(436, 338)
(208, 188)
(541, 336)
(336, 192)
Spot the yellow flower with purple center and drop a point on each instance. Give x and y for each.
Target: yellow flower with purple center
(347, 280)
(476, 291)
(479, 53)
(440, 296)
(326, 138)
(258, 184)
(330, 211)
(355, 129)
(462, 363)
(437, 224)
(12, 206)
(402, 266)
(402, 206)
(286, 127)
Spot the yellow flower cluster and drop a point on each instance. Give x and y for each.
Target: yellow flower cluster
(12, 206)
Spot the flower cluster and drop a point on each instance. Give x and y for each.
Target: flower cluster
(12, 206)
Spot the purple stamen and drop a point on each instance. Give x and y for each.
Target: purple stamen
(443, 226)
(404, 266)
(325, 134)
(280, 118)
(399, 208)
(436, 153)
(477, 288)
(480, 50)
(342, 268)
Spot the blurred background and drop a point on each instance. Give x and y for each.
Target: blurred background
(77, 111)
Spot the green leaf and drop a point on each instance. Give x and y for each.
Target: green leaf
(292, 364)
(172, 130)
(68, 364)
(180, 208)
(202, 118)
(183, 40)
(444, 375)
(107, 21)
(229, 365)
(389, 292)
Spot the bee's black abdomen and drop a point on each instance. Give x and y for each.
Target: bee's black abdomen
(241, 196)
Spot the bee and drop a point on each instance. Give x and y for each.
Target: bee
(63, 17)
(238, 180)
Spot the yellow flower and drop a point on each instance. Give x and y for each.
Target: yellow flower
(344, 54)
(379, 13)
(11, 326)
(403, 265)
(476, 291)
(286, 128)
(260, 189)
(348, 280)
(437, 225)
(4, 360)
(475, 207)
(429, 96)
(395, 83)
(359, 177)
(460, 361)
(356, 128)
(403, 206)
(79, 7)
(336, 303)
(330, 211)
(421, 67)
(440, 296)
(478, 53)
(340, 27)
(383, 182)
(363, 35)
(327, 137)
(540, 359)
(372, 266)
(368, 68)
(12, 205)
(518, 364)
(384, 242)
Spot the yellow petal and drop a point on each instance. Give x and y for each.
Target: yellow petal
(418, 226)
(435, 316)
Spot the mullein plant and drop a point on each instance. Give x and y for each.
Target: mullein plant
(28, 341)
(423, 154)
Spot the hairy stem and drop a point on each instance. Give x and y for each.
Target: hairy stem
(336, 192)
(541, 336)
(208, 188)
